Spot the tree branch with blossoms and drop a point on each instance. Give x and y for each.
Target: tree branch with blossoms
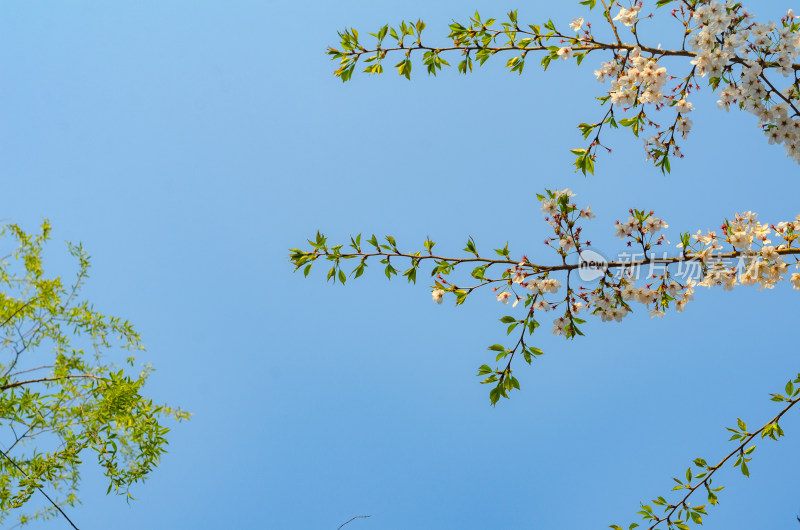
(723, 42)
(741, 254)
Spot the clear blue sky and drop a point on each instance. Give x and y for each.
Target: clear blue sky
(189, 144)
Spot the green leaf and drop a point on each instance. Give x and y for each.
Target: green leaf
(712, 497)
(461, 296)
(471, 246)
(494, 395)
(360, 269)
(411, 273)
(535, 351)
(484, 369)
(665, 167)
(527, 356)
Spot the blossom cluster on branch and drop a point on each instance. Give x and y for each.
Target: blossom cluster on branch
(723, 43)
(744, 252)
(582, 282)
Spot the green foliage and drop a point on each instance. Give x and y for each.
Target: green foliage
(679, 513)
(62, 399)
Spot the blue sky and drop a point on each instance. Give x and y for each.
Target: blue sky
(188, 145)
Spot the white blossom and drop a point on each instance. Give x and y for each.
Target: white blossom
(576, 24)
(437, 295)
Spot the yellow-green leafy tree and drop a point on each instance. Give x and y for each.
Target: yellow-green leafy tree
(71, 390)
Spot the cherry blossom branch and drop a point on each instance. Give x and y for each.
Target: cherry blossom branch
(719, 37)
(303, 257)
(520, 280)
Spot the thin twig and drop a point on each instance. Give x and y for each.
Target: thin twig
(353, 519)
(57, 507)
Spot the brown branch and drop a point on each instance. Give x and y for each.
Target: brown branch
(46, 380)
(621, 46)
(779, 94)
(496, 49)
(550, 268)
(607, 13)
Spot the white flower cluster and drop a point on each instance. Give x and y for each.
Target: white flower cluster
(550, 205)
(642, 80)
(560, 325)
(733, 50)
(537, 287)
(759, 263)
(726, 32)
(629, 17)
(651, 225)
(762, 264)
(607, 309)
(549, 285)
(563, 221)
(715, 20)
